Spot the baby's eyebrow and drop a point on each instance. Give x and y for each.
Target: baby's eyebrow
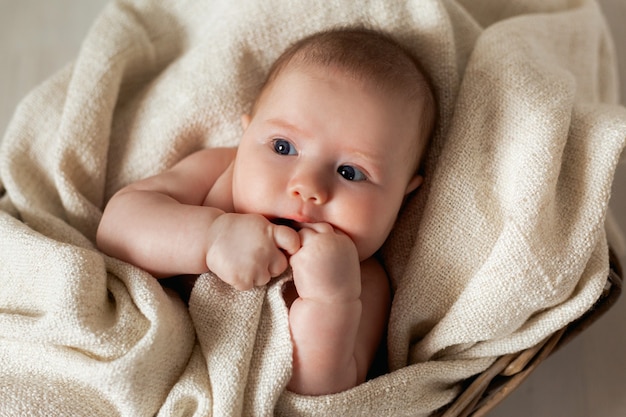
(284, 124)
(362, 154)
(374, 165)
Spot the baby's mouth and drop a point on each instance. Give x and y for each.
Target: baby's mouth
(286, 222)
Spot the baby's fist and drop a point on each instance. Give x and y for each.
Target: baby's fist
(327, 265)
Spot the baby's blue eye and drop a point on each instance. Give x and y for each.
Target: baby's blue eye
(351, 173)
(284, 147)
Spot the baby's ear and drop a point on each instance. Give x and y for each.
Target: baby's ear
(245, 121)
(414, 184)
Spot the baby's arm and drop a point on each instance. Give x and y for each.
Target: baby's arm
(159, 223)
(339, 318)
(162, 225)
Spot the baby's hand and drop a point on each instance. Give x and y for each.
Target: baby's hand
(326, 268)
(246, 250)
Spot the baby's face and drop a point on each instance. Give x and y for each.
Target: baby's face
(323, 147)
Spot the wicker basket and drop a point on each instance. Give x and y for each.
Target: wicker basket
(489, 388)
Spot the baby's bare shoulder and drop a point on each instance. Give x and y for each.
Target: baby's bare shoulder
(210, 156)
(376, 301)
(189, 180)
(204, 166)
(373, 273)
(375, 289)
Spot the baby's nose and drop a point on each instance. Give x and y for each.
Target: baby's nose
(309, 193)
(310, 186)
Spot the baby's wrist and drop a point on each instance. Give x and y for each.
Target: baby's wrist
(328, 288)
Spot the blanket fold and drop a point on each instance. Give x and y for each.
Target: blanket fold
(503, 244)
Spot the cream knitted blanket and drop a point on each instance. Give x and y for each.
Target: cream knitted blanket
(503, 246)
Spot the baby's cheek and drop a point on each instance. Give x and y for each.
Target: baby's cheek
(251, 194)
(372, 233)
(248, 201)
(368, 243)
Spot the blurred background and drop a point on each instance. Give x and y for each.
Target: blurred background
(587, 378)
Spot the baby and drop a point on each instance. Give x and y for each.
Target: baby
(329, 151)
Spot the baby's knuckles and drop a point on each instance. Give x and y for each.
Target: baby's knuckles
(239, 250)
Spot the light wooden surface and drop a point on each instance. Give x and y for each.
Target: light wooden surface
(585, 379)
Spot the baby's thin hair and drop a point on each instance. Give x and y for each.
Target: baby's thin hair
(371, 56)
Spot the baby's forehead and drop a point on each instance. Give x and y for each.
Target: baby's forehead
(384, 97)
(394, 113)
(411, 96)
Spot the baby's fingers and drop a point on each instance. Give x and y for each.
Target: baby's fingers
(318, 227)
(278, 264)
(286, 239)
